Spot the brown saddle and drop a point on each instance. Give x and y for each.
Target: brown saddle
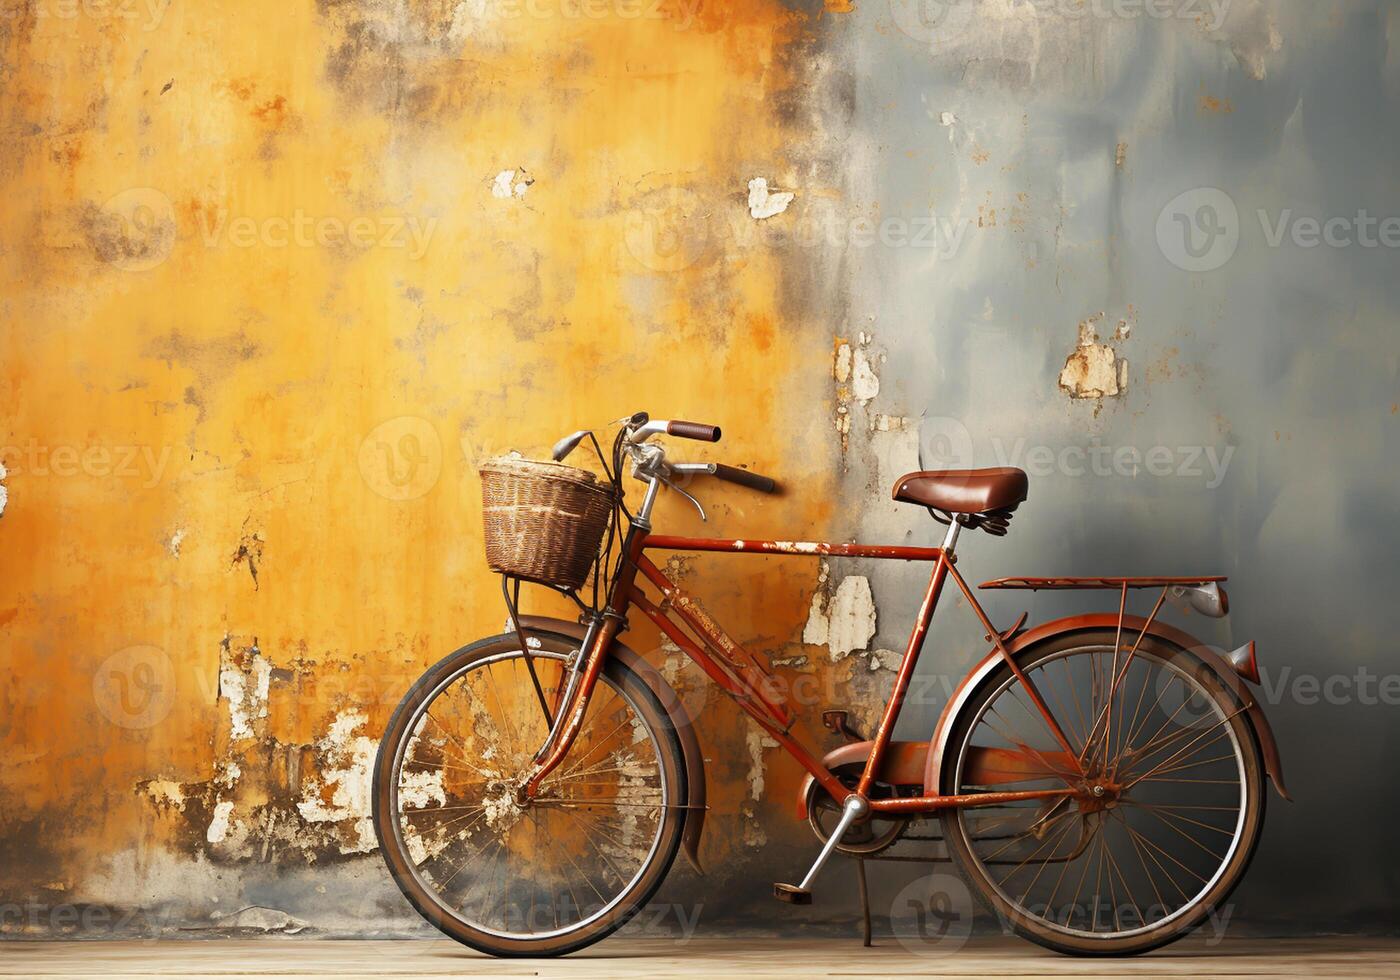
(978, 498)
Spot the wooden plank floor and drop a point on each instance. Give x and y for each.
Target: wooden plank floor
(710, 958)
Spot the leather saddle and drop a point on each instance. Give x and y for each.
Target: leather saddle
(975, 498)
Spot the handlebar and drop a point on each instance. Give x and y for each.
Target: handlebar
(641, 428)
(693, 430)
(754, 481)
(730, 474)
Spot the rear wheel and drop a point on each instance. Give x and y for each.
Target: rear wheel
(551, 875)
(1162, 824)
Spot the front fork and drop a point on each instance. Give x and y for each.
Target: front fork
(568, 718)
(593, 651)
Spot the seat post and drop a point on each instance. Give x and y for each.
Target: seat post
(951, 538)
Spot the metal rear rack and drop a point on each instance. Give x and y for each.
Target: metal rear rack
(1035, 584)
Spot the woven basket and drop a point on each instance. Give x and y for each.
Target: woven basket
(544, 522)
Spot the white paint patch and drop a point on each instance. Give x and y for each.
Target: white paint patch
(511, 184)
(218, 825)
(865, 385)
(801, 547)
(817, 628)
(890, 423)
(244, 691)
(885, 660)
(4, 491)
(176, 539)
(422, 788)
(347, 764)
(757, 740)
(1093, 370)
(754, 835)
(841, 369)
(166, 792)
(765, 204)
(846, 622)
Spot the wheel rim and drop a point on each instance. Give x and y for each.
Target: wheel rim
(552, 867)
(1175, 796)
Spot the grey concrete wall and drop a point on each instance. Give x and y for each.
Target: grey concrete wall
(1057, 147)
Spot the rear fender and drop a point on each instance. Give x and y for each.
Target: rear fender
(680, 717)
(1254, 712)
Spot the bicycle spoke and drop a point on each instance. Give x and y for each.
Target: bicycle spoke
(495, 860)
(1120, 875)
(1224, 721)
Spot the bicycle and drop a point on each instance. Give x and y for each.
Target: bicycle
(533, 788)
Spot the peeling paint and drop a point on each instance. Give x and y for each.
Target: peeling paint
(176, 539)
(244, 680)
(757, 741)
(864, 384)
(885, 660)
(218, 826)
(511, 183)
(342, 793)
(845, 621)
(249, 552)
(763, 203)
(1093, 370)
(853, 368)
(754, 834)
(165, 793)
(4, 491)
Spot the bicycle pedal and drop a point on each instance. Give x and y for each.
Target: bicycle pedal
(792, 894)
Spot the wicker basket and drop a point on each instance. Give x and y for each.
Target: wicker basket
(544, 522)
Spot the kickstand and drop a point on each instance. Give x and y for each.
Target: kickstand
(864, 901)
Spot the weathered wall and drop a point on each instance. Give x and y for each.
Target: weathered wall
(277, 276)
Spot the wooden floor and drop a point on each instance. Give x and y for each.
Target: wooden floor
(709, 958)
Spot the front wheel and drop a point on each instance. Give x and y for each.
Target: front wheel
(1161, 825)
(556, 873)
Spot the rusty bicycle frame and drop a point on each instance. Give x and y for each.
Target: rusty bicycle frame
(744, 679)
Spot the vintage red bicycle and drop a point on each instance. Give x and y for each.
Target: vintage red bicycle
(1099, 780)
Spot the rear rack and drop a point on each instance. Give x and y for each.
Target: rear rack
(1117, 584)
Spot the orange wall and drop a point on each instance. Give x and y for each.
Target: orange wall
(264, 313)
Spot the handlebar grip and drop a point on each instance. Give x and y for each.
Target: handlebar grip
(693, 430)
(754, 481)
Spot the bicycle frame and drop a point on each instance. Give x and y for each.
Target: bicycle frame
(726, 663)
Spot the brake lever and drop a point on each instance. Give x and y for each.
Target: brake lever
(687, 496)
